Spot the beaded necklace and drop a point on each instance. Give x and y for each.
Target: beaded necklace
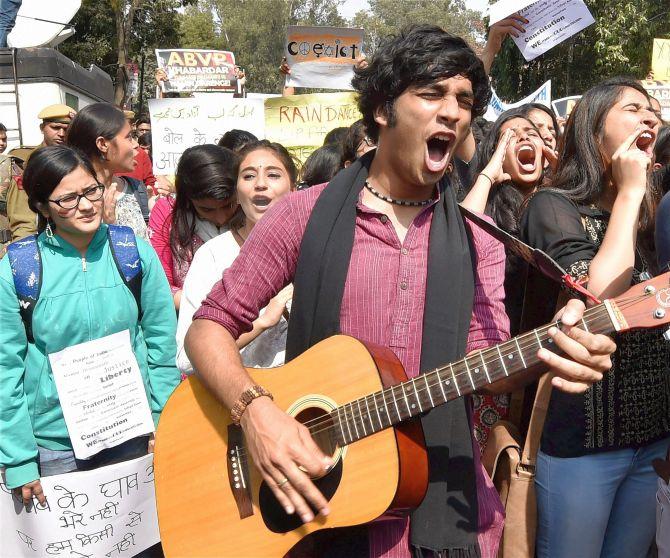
(394, 201)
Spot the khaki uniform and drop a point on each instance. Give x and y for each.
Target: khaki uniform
(22, 220)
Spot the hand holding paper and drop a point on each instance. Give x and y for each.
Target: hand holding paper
(549, 22)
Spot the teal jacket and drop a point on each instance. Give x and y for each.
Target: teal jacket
(81, 299)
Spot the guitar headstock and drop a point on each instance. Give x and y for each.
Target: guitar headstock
(645, 305)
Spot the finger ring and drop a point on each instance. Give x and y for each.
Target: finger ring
(282, 482)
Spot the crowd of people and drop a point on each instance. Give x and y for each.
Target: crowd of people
(250, 258)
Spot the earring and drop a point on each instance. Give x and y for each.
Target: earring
(102, 157)
(49, 231)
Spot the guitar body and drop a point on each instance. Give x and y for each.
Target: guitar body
(211, 499)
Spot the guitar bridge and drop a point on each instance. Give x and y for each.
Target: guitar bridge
(238, 471)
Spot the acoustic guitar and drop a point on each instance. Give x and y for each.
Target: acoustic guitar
(359, 406)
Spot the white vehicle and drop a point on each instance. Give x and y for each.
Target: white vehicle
(33, 76)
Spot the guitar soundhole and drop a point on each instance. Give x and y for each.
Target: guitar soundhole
(321, 427)
(313, 412)
(273, 514)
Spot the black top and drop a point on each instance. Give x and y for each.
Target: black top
(630, 406)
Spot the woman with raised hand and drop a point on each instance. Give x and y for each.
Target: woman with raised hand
(80, 295)
(266, 174)
(201, 209)
(595, 481)
(508, 167)
(102, 133)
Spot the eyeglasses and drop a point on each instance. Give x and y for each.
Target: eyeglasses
(70, 201)
(367, 141)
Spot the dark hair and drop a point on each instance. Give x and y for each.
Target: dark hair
(662, 156)
(203, 171)
(529, 107)
(144, 119)
(505, 201)
(90, 123)
(336, 136)
(236, 139)
(45, 170)
(144, 140)
(356, 133)
(279, 150)
(662, 147)
(480, 127)
(581, 173)
(320, 166)
(3, 128)
(419, 55)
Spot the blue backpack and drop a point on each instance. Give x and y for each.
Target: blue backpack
(26, 263)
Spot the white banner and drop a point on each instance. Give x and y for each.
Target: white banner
(551, 22)
(497, 107)
(107, 512)
(102, 394)
(177, 124)
(322, 57)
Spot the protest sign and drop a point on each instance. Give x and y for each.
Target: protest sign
(550, 22)
(102, 393)
(563, 107)
(503, 8)
(301, 122)
(497, 107)
(322, 57)
(106, 512)
(660, 90)
(197, 69)
(660, 59)
(177, 124)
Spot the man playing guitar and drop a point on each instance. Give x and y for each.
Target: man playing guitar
(383, 254)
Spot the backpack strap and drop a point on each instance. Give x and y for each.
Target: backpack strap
(123, 244)
(26, 264)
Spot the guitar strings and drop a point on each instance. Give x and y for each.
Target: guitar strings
(591, 316)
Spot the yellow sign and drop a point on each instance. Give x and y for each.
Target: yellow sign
(301, 122)
(660, 60)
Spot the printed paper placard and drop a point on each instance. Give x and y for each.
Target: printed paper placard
(177, 124)
(550, 23)
(107, 512)
(197, 69)
(322, 57)
(301, 122)
(101, 392)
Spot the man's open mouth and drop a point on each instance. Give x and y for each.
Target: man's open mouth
(438, 151)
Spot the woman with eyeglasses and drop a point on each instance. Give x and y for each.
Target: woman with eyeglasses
(81, 296)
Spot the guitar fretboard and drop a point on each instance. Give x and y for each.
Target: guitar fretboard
(390, 406)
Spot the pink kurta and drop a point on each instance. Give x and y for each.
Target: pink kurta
(383, 303)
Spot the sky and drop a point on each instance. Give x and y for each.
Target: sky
(350, 7)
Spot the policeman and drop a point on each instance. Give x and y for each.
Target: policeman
(55, 121)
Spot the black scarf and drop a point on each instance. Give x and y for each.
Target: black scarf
(447, 519)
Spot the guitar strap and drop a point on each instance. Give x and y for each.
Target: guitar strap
(447, 519)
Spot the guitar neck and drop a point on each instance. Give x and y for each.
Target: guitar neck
(393, 405)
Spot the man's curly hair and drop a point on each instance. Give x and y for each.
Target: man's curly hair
(417, 56)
